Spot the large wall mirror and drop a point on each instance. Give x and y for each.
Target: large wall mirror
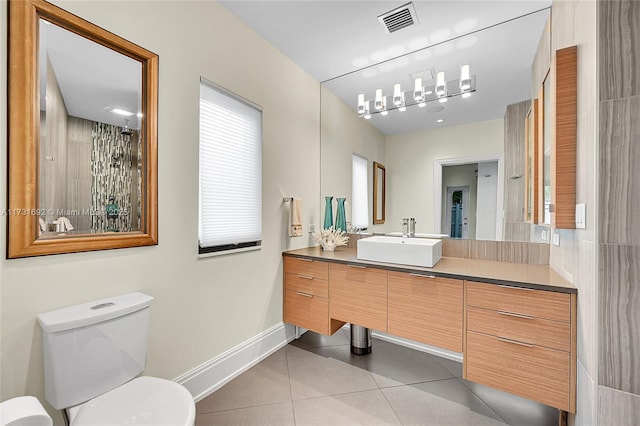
(82, 135)
(461, 140)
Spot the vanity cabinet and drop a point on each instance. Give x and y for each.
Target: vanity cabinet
(306, 295)
(358, 295)
(426, 309)
(522, 341)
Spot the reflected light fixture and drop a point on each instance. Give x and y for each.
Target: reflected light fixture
(384, 106)
(397, 95)
(441, 85)
(361, 103)
(465, 78)
(378, 100)
(418, 91)
(121, 111)
(419, 95)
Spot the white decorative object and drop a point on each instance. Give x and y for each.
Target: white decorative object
(329, 238)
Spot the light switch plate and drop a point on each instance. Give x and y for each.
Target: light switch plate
(545, 236)
(312, 227)
(581, 212)
(556, 239)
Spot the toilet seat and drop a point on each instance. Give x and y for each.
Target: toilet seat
(142, 401)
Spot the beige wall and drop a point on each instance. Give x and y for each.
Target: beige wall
(574, 23)
(344, 133)
(202, 307)
(410, 158)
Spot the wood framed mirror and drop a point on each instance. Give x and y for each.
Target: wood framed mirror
(82, 135)
(379, 193)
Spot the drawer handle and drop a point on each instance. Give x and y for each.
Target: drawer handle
(515, 342)
(514, 287)
(305, 260)
(513, 314)
(357, 266)
(306, 277)
(304, 294)
(423, 276)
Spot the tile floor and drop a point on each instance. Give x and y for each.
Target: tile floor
(315, 380)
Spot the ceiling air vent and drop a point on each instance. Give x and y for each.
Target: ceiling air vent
(399, 18)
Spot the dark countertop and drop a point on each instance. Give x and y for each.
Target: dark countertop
(541, 277)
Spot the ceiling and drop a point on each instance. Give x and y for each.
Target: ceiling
(93, 79)
(342, 44)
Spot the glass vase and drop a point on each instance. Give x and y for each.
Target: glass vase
(341, 217)
(328, 212)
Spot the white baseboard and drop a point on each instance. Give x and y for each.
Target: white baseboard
(205, 379)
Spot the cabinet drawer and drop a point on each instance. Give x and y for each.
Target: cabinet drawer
(428, 310)
(311, 268)
(311, 312)
(537, 331)
(537, 373)
(537, 303)
(358, 295)
(306, 284)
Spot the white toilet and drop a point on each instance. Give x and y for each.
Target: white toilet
(91, 354)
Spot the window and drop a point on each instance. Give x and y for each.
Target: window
(359, 192)
(230, 206)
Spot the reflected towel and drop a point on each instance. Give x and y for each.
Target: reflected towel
(43, 226)
(66, 224)
(295, 218)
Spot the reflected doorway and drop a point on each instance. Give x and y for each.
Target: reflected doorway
(458, 211)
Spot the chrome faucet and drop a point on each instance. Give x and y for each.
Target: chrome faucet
(412, 227)
(405, 227)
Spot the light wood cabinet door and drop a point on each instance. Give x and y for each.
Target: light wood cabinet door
(531, 371)
(538, 303)
(307, 311)
(358, 295)
(426, 309)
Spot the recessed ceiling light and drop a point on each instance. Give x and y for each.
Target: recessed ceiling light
(402, 109)
(442, 100)
(422, 104)
(439, 120)
(466, 95)
(124, 112)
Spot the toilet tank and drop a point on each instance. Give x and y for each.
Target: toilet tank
(92, 348)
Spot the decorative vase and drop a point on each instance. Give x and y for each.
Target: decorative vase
(341, 217)
(328, 212)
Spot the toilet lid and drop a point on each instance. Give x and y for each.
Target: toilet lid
(142, 401)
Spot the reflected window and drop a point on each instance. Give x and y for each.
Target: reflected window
(359, 192)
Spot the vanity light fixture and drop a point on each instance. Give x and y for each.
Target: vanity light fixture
(361, 109)
(397, 95)
(441, 85)
(384, 106)
(378, 101)
(419, 94)
(465, 78)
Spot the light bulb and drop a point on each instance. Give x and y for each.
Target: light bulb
(465, 78)
(418, 91)
(378, 100)
(361, 103)
(397, 95)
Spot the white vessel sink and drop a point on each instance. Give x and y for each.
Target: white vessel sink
(406, 251)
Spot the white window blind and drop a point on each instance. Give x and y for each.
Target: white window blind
(230, 208)
(359, 192)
